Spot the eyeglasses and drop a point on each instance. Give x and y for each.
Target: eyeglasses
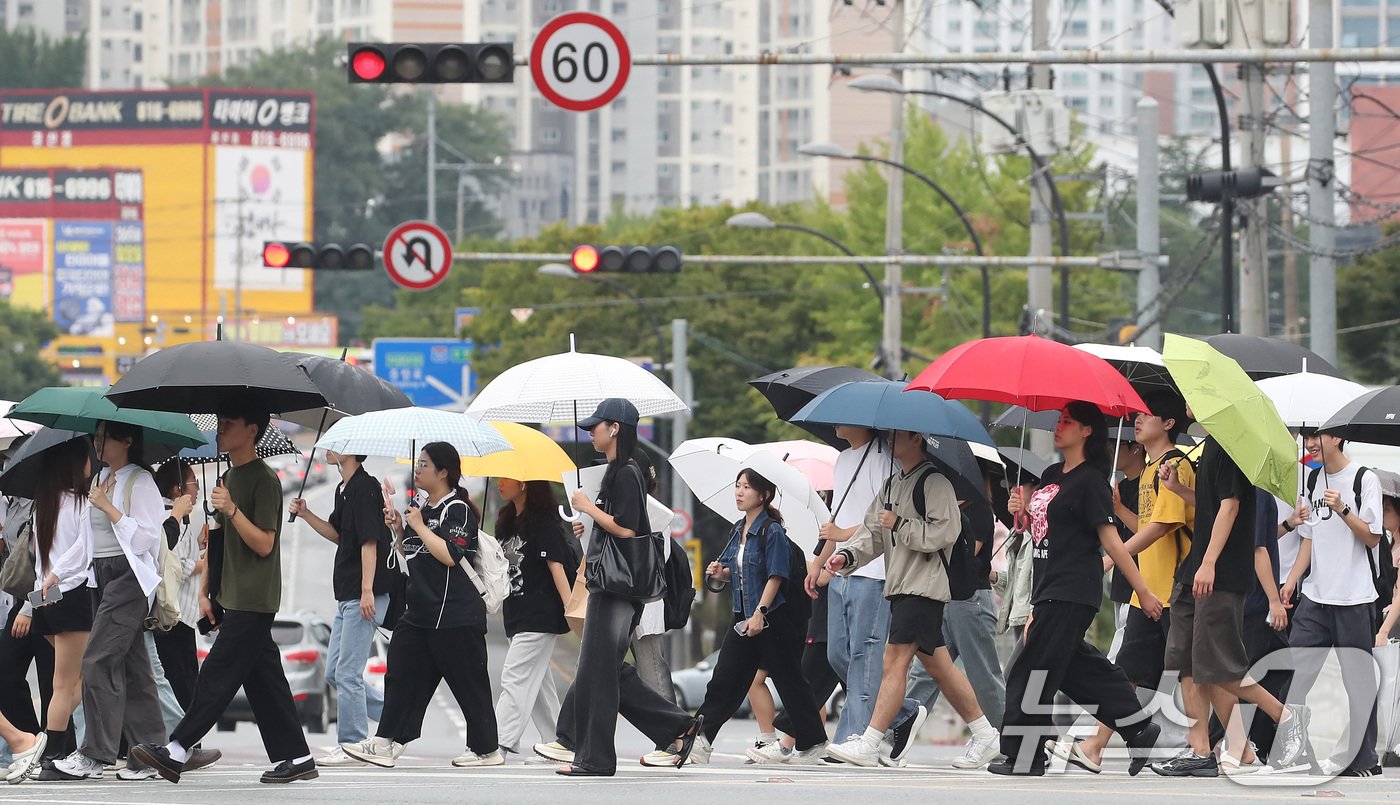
(425, 465)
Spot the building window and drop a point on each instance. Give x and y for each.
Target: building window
(1359, 32)
(549, 134)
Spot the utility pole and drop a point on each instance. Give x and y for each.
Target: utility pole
(1040, 290)
(1148, 226)
(681, 498)
(1254, 267)
(1290, 254)
(1322, 128)
(238, 274)
(892, 338)
(432, 156)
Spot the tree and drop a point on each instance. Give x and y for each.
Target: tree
(31, 60)
(359, 194)
(22, 369)
(1366, 294)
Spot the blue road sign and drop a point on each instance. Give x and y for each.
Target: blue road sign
(433, 372)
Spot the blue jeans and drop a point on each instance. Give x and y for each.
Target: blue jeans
(351, 635)
(858, 623)
(968, 629)
(170, 710)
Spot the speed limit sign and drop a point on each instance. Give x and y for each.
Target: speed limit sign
(580, 61)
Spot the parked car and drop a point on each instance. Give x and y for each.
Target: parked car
(690, 683)
(304, 640)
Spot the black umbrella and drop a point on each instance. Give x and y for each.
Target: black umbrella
(194, 378)
(1015, 416)
(955, 459)
(1262, 357)
(349, 390)
(21, 475)
(791, 389)
(1022, 462)
(1374, 418)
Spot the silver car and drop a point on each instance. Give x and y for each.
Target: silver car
(303, 638)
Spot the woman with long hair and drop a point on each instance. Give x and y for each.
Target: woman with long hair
(541, 581)
(1071, 520)
(606, 685)
(765, 632)
(62, 558)
(442, 633)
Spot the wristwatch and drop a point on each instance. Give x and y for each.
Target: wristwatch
(1346, 510)
(762, 609)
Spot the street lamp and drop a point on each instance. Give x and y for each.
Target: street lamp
(834, 151)
(876, 82)
(565, 272)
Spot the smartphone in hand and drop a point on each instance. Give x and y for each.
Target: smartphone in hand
(38, 599)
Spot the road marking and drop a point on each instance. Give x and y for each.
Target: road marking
(453, 713)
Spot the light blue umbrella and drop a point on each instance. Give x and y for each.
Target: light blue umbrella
(887, 406)
(399, 432)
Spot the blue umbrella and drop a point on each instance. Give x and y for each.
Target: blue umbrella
(887, 406)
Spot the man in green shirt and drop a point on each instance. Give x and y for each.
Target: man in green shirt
(240, 601)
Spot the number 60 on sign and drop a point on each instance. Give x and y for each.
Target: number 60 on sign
(580, 61)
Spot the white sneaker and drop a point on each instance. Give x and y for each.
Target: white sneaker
(808, 757)
(130, 775)
(555, 751)
(980, 752)
(856, 751)
(336, 757)
(78, 766)
(700, 752)
(765, 753)
(377, 751)
(469, 758)
(1330, 767)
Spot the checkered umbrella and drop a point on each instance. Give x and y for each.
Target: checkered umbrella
(273, 443)
(399, 432)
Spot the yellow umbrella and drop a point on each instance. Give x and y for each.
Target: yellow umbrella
(533, 457)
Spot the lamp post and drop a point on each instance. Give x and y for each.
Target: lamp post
(875, 82)
(564, 272)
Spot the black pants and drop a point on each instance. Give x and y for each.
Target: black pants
(244, 655)
(419, 659)
(1057, 656)
(606, 686)
(778, 649)
(820, 676)
(16, 653)
(177, 655)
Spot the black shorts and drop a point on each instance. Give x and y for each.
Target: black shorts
(1144, 646)
(71, 613)
(917, 620)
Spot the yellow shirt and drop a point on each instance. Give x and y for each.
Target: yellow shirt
(1157, 504)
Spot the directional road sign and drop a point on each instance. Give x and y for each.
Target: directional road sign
(433, 372)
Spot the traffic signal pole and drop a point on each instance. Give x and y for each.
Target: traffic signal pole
(892, 335)
(1322, 128)
(1254, 265)
(432, 156)
(1148, 225)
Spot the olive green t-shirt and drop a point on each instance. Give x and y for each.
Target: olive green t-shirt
(252, 583)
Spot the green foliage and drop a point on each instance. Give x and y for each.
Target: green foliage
(360, 196)
(1367, 292)
(30, 60)
(24, 332)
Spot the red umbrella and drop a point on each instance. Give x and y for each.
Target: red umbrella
(1031, 371)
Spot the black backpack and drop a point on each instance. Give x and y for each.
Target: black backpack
(1382, 577)
(794, 593)
(680, 587)
(1173, 453)
(960, 558)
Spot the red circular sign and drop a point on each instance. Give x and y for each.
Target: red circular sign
(580, 61)
(682, 524)
(417, 255)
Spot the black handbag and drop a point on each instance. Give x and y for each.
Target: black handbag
(629, 567)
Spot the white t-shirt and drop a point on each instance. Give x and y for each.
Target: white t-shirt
(864, 487)
(1289, 543)
(1339, 572)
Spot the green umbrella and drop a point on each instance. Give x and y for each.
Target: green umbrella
(1234, 411)
(81, 409)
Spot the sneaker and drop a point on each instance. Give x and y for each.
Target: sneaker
(1005, 766)
(203, 758)
(1374, 771)
(289, 772)
(1330, 767)
(380, 752)
(903, 737)
(1189, 764)
(555, 751)
(48, 774)
(811, 756)
(335, 757)
(130, 774)
(78, 766)
(856, 751)
(158, 758)
(980, 751)
(1293, 737)
(1141, 746)
(699, 753)
(1391, 760)
(766, 752)
(468, 758)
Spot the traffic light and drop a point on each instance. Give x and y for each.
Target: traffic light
(431, 63)
(1214, 186)
(627, 260)
(323, 256)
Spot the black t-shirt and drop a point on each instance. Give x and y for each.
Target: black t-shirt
(1266, 537)
(1066, 512)
(1119, 590)
(979, 515)
(358, 518)
(1218, 478)
(533, 604)
(622, 498)
(439, 596)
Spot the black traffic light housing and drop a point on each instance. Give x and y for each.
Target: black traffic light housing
(431, 63)
(627, 260)
(320, 256)
(1214, 186)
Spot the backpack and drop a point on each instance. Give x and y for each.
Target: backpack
(1174, 453)
(960, 558)
(680, 587)
(793, 589)
(17, 574)
(489, 570)
(1383, 577)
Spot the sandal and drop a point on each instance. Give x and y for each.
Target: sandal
(1071, 752)
(579, 771)
(687, 740)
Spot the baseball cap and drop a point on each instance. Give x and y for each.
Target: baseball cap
(613, 409)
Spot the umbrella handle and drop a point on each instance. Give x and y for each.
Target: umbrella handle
(569, 516)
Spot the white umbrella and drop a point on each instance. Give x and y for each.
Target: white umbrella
(401, 432)
(709, 467)
(1307, 399)
(1142, 366)
(11, 429)
(564, 387)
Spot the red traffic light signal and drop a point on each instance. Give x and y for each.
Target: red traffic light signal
(627, 259)
(276, 255)
(322, 256)
(584, 260)
(431, 63)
